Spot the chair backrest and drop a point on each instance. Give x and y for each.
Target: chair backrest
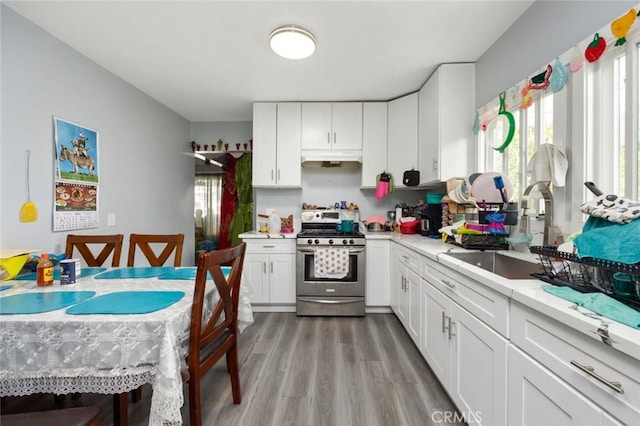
(172, 244)
(224, 317)
(110, 244)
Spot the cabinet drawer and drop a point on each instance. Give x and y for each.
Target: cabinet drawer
(271, 246)
(608, 377)
(409, 259)
(486, 304)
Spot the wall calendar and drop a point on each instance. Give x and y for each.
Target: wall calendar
(77, 177)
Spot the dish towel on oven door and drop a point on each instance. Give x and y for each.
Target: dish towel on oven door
(331, 263)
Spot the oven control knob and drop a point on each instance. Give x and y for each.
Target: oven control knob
(344, 242)
(350, 241)
(309, 241)
(330, 241)
(317, 241)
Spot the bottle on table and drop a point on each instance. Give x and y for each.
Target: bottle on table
(44, 271)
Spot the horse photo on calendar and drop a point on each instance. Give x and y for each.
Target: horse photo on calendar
(76, 152)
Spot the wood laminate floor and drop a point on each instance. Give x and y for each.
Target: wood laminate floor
(306, 371)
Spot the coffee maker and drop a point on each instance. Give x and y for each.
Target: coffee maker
(430, 217)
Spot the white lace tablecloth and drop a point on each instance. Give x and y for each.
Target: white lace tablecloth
(54, 352)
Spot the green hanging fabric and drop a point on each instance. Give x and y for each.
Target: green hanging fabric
(243, 219)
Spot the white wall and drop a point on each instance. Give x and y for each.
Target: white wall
(325, 186)
(144, 179)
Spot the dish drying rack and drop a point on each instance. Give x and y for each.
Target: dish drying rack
(586, 275)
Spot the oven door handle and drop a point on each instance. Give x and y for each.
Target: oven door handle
(351, 250)
(328, 302)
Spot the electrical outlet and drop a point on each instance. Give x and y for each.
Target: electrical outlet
(111, 219)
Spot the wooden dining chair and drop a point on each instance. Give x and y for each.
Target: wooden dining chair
(169, 243)
(216, 335)
(150, 245)
(109, 244)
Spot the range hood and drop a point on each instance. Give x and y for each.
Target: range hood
(331, 158)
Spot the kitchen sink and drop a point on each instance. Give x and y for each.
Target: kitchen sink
(500, 264)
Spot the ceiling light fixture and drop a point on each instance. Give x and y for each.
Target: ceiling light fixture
(292, 42)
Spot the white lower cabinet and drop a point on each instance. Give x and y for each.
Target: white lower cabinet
(270, 270)
(377, 274)
(394, 288)
(607, 378)
(468, 357)
(547, 374)
(407, 284)
(539, 397)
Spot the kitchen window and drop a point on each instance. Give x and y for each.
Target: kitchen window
(208, 195)
(594, 119)
(533, 127)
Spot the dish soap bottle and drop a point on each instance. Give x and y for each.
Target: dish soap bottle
(274, 223)
(44, 271)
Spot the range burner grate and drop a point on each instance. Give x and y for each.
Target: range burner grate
(328, 233)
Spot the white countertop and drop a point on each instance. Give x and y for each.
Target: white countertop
(528, 292)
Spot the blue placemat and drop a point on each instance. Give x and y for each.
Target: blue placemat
(189, 273)
(134, 272)
(33, 303)
(127, 302)
(5, 287)
(84, 272)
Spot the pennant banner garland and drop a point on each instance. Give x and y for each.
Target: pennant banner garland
(621, 26)
(554, 77)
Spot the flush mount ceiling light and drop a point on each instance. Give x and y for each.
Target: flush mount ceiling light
(292, 42)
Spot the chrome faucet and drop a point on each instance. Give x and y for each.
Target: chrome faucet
(545, 191)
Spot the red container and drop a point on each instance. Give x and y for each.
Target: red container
(409, 227)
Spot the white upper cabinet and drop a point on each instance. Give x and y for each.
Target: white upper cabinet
(332, 125)
(445, 127)
(402, 141)
(276, 145)
(374, 142)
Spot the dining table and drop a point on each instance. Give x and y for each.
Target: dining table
(112, 331)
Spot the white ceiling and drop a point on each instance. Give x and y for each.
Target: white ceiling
(209, 60)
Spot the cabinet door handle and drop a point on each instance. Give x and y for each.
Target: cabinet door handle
(590, 371)
(264, 267)
(449, 284)
(271, 263)
(451, 324)
(444, 327)
(329, 138)
(335, 138)
(435, 165)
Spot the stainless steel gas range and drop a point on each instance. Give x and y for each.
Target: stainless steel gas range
(330, 265)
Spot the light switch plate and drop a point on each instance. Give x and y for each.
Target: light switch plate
(111, 219)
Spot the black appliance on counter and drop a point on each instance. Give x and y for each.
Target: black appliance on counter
(430, 217)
